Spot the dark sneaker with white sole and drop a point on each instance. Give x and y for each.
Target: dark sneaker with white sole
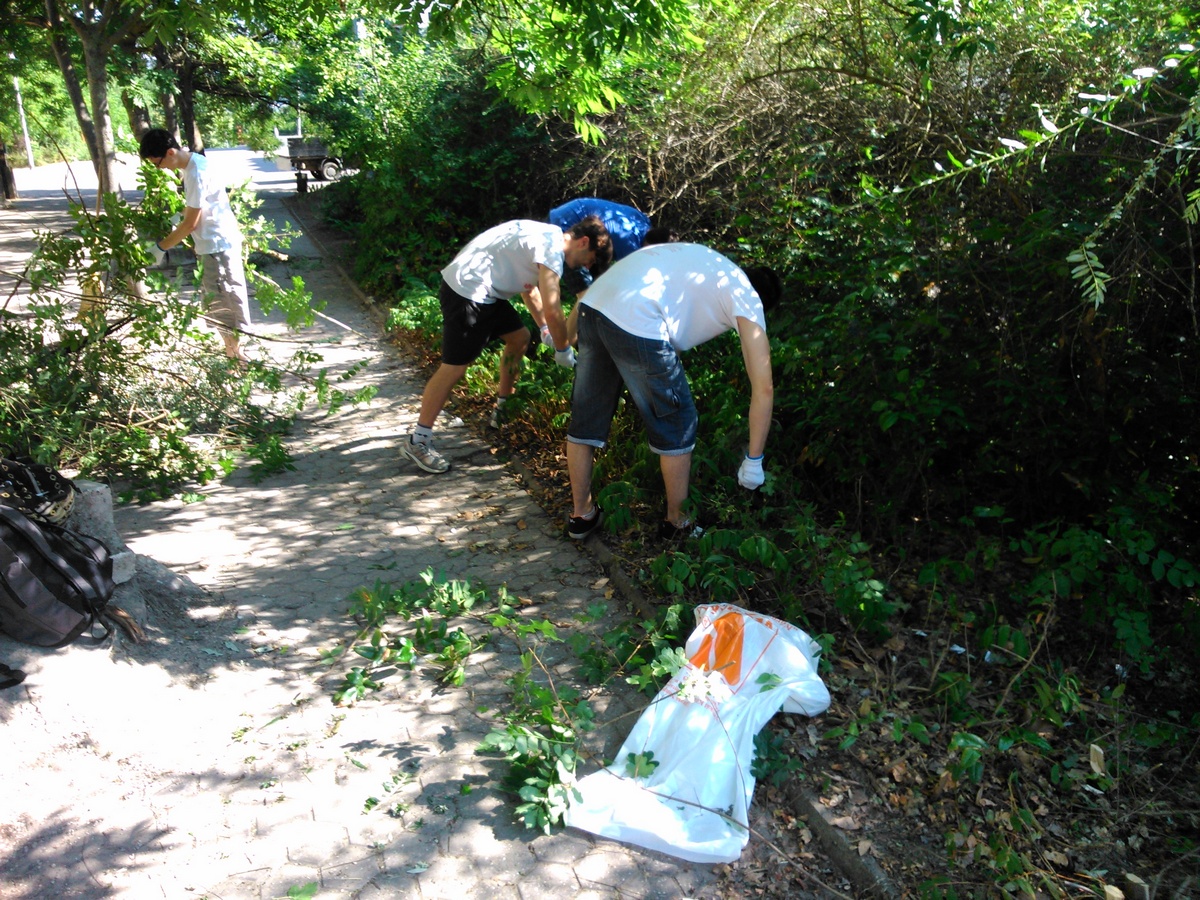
(689, 530)
(580, 527)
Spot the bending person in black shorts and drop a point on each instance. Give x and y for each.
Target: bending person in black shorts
(514, 258)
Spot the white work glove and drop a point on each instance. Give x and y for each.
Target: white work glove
(750, 473)
(157, 252)
(547, 338)
(565, 357)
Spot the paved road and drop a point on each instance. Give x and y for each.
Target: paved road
(210, 761)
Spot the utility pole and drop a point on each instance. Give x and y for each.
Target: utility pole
(21, 113)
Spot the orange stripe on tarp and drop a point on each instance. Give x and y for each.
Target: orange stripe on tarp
(723, 652)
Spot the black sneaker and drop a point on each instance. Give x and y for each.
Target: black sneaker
(580, 527)
(689, 530)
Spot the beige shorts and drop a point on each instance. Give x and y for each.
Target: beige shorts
(223, 286)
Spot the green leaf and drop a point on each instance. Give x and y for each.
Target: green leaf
(640, 765)
(768, 681)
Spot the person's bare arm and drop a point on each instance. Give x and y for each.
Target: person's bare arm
(573, 323)
(533, 303)
(756, 352)
(191, 218)
(551, 295)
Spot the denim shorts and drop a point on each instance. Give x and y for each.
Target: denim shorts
(468, 327)
(652, 372)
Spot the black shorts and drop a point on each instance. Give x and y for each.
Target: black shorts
(468, 327)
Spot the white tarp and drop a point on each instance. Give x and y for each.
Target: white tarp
(681, 782)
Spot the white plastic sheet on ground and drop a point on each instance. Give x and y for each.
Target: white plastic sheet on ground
(681, 782)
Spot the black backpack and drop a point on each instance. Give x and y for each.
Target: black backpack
(54, 582)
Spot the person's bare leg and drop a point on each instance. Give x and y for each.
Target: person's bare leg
(437, 392)
(515, 345)
(580, 462)
(233, 347)
(676, 473)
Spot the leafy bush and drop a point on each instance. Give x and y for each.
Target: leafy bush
(464, 161)
(989, 300)
(106, 369)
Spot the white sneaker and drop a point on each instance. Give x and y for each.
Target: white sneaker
(425, 456)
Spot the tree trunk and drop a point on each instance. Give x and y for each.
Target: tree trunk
(98, 30)
(8, 186)
(170, 109)
(62, 53)
(139, 116)
(187, 106)
(171, 116)
(95, 56)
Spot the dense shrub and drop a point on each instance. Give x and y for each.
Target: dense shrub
(943, 365)
(465, 160)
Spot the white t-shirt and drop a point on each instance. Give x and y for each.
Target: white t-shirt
(218, 228)
(503, 261)
(682, 293)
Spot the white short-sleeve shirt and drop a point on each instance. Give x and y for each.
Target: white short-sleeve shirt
(502, 261)
(218, 229)
(682, 293)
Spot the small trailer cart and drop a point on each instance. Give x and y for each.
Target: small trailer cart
(311, 155)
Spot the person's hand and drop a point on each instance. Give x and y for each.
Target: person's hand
(565, 357)
(750, 473)
(157, 252)
(547, 338)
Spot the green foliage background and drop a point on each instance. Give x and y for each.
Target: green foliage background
(986, 368)
(947, 375)
(52, 135)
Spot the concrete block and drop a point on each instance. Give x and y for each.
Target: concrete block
(129, 597)
(92, 515)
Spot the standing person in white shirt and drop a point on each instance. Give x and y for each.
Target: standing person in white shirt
(513, 258)
(633, 324)
(209, 219)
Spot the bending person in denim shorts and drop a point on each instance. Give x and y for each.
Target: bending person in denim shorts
(633, 324)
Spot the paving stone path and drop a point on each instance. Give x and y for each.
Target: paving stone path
(211, 762)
